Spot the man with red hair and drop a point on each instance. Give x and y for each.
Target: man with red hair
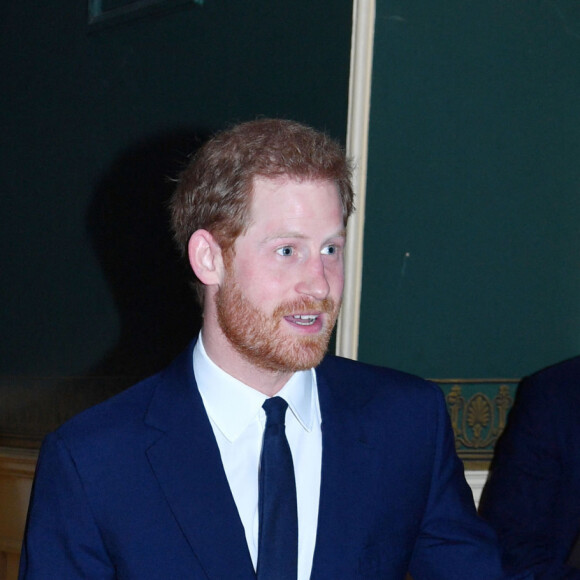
(254, 455)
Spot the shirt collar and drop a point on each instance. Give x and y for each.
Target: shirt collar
(233, 405)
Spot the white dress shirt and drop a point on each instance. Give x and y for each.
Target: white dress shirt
(238, 421)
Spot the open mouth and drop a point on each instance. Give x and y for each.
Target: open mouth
(304, 319)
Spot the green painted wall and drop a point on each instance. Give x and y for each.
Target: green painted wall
(472, 235)
(93, 123)
(75, 105)
(472, 242)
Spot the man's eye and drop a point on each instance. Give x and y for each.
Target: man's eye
(330, 250)
(285, 251)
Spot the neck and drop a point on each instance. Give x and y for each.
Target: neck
(225, 356)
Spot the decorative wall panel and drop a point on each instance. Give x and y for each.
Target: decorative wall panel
(478, 411)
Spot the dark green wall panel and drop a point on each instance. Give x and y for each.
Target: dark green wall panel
(94, 121)
(472, 237)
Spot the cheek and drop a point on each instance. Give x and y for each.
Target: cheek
(263, 286)
(335, 278)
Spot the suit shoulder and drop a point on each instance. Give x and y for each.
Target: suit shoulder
(566, 370)
(366, 380)
(563, 377)
(110, 416)
(126, 410)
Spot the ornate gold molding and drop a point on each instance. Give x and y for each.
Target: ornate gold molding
(478, 409)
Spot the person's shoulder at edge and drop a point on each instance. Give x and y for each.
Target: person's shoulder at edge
(564, 374)
(537, 391)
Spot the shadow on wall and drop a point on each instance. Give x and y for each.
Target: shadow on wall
(128, 225)
(128, 222)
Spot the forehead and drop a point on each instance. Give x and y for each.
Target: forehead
(289, 198)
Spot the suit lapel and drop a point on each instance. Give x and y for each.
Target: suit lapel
(345, 449)
(187, 464)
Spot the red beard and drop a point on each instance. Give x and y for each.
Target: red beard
(259, 337)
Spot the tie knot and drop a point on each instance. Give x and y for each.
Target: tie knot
(275, 408)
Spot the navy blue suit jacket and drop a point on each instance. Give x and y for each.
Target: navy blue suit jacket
(532, 497)
(135, 488)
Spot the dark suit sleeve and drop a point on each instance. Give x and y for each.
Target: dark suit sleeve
(62, 540)
(521, 493)
(454, 543)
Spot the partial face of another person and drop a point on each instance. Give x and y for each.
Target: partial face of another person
(283, 286)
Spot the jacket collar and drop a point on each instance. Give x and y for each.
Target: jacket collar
(187, 465)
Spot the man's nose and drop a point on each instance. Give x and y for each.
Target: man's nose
(314, 281)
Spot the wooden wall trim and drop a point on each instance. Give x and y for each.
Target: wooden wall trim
(17, 462)
(359, 98)
(17, 468)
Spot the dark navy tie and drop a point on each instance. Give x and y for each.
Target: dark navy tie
(278, 513)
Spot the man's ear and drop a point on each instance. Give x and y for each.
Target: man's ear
(205, 257)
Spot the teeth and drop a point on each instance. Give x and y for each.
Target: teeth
(304, 319)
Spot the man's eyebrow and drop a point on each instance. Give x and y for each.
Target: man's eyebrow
(340, 234)
(283, 235)
(300, 236)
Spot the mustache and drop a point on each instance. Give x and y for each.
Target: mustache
(305, 306)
